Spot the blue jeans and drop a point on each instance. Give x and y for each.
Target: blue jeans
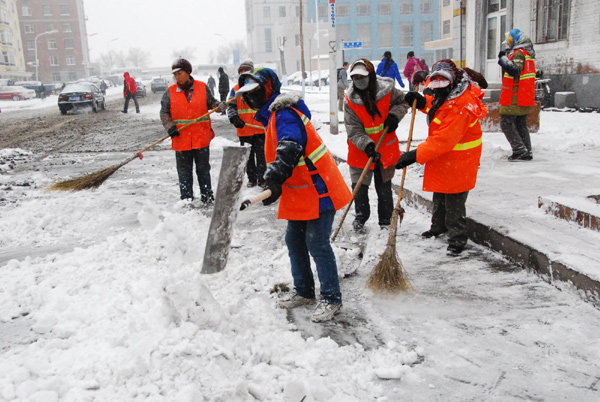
(304, 237)
(185, 170)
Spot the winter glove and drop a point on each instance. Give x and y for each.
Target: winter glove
(412, 95)
(237, 121)
(371, 153)
(407, 158)
(222, 107)
(275, 188)
(501, 53)
(173, 132)
(391, 123)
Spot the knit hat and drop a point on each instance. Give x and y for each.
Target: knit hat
(181, 64)
(447, 69)
(246, 65)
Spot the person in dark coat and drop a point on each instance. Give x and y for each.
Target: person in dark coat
(211, 84)
(103, 87)
(223, 85)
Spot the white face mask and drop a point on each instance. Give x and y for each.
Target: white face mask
(361, 83)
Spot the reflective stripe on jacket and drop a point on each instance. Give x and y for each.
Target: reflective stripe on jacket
(525, 83)
(452, 150)
(197, 135)
(299, 196)
(246, 113)
(389, 149)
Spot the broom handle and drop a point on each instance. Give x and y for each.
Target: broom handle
(394, 223)
(254, 126)
(358, 184)
(259, 197)
(137, 154)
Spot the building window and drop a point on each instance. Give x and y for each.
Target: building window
(47, 10)
(52, 44)
(4, 17)
(492, 37)
(384, 8)
(28, 28)
(297, 11)
(496, 5)
(406, 7)
(426, 32)
(268, 41)
(323, 10)
(266, 12)
(56, 77)
(385, 35)
(49, 26)
(363, 33)
(281, 11)
(30, 45)
(552, 20)
(54, 60)
(343, 32)
(72, 75)
(342, 10)
(446, 3)
(67, 27)
(26, 11)
(426, 6)
(64, 9)
(406, 34)
(70, 60)
(363, 9)
(297, 39)
(69, 43)
(446, 27)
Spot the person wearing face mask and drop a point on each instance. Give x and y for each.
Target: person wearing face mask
(451, 151)
(301, 171)
(371, 104)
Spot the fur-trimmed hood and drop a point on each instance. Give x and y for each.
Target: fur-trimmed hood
(286, 100)
(384, 87)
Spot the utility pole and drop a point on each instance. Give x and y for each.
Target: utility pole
(37, 62)
(333, 45)
(318, 43)
(302, 52)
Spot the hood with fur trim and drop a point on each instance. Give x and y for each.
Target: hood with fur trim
(384, 87)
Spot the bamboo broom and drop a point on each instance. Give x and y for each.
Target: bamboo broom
(94, 180)
(389, 276)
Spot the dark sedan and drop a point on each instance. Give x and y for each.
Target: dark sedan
(141, 89)
(81, 95)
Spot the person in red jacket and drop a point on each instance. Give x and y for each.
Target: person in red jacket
(451, 151)
(187, 100)
(129, 91)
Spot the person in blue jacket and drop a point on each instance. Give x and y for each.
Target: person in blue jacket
(389, 68)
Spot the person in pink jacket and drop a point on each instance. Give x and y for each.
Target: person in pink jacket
(412, 65)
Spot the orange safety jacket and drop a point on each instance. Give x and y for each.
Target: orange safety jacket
(198, 135)
(299, 196)
(526, 84)
(452, 150)
(246, 113)
(389, 149)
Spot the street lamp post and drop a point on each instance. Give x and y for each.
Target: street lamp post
(37, 62)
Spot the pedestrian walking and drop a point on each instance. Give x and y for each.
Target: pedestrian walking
(42, 91)
(211, 84)
(184, 101)
(388, 68)
(342, 84)
(304, 174)
(223, 85)
(372, 104)
(413, 64)
(103, 87)
(129, 92)
(517, 97)
(249, 131)
(451, 151)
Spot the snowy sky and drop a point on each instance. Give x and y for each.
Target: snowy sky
(160, 27)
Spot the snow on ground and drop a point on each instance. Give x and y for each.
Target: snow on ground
(102, 300)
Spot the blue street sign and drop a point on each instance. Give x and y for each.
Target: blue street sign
(352, 45)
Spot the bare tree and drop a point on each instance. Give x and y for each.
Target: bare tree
(187, 53)
(224, 53)
(107, 61)
(138, 57)
(120, 59)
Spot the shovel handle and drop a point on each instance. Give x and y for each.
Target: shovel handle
(259, 197)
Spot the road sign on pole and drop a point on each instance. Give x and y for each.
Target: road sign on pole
(352, 45)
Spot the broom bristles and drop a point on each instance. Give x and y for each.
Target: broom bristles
(92, 180)
(389, 276)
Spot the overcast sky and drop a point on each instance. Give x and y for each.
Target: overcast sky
(160, 26)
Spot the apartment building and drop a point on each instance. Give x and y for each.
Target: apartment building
(56, 29)
(12, 63)
(273, 30)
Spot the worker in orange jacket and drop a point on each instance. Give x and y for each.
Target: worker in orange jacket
(249, 131)
(451, 151)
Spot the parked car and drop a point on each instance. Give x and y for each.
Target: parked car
(16, 93)
(158, 84)
(141, 89)
(81, 95)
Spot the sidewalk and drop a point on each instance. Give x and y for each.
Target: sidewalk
(503, 208)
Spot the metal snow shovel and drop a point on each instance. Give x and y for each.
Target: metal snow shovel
(225, 209)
